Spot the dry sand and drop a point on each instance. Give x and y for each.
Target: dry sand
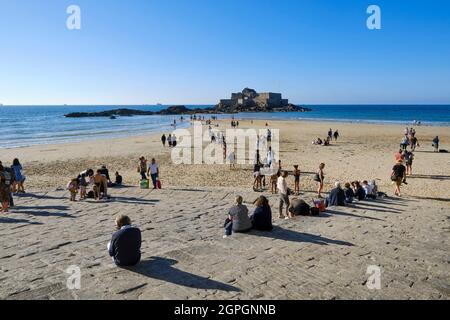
(306, 258)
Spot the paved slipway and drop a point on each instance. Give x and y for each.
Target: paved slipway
(185, 257)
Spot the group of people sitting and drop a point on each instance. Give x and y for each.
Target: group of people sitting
(354, 191)
(239, 220)
(99, 180)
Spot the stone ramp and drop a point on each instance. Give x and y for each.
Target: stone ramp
(185, 257)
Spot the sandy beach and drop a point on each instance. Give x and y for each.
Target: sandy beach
(184, 254)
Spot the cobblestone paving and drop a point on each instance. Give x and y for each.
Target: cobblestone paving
(185, 257)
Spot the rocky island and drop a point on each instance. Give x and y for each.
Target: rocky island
(246, 101)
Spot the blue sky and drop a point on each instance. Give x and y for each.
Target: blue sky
(197, 51)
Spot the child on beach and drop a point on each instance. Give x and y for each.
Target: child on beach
(72, 186)
(19, 178)
(4, 191)
(273, 182)
(83, 185)
(297, 180)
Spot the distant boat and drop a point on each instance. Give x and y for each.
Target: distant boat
(113, 117)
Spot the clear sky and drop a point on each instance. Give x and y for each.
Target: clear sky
(198, 51)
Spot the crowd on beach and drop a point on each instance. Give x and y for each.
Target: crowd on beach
(124, 247)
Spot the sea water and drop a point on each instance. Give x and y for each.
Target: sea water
(31, 125)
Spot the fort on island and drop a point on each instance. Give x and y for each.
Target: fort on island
(251, 101)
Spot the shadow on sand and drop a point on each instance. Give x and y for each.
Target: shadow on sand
(347, 214)
(42, 211)
(162, 269)
(12, 220)
(279, 233)
(134, 200)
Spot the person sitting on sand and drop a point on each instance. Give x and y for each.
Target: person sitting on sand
(336, 197)
(238, 220)
(125, 245)
(262, 215)
(100, 186)
(349, 194)
(318, 142)
(296, 180)
(142, 168)
(19, 178)
(4, 191)
(358, 190)
(72, 186)
(119, 179)
(398, 176)
(369, 190)
(299, 207)
(283, 191)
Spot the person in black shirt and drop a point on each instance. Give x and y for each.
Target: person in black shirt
(398, 176)
(125, 245)
(262, 216)
(163, 140)
(105, 172)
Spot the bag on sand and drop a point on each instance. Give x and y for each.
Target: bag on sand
(145, 184)
(158, 184)
(315, 211)
(320, 204)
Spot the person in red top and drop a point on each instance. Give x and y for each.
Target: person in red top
(399, 156)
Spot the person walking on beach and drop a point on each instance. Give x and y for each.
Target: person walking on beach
(19, 178)
(284, 195)
(169, 140)
(398, 176)
(163, 140)
(336, 135)
(319, 178)
(142, 168)
(153, 172)
(296, 180)
(408, 157)
(436, 144)
(330, 134)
